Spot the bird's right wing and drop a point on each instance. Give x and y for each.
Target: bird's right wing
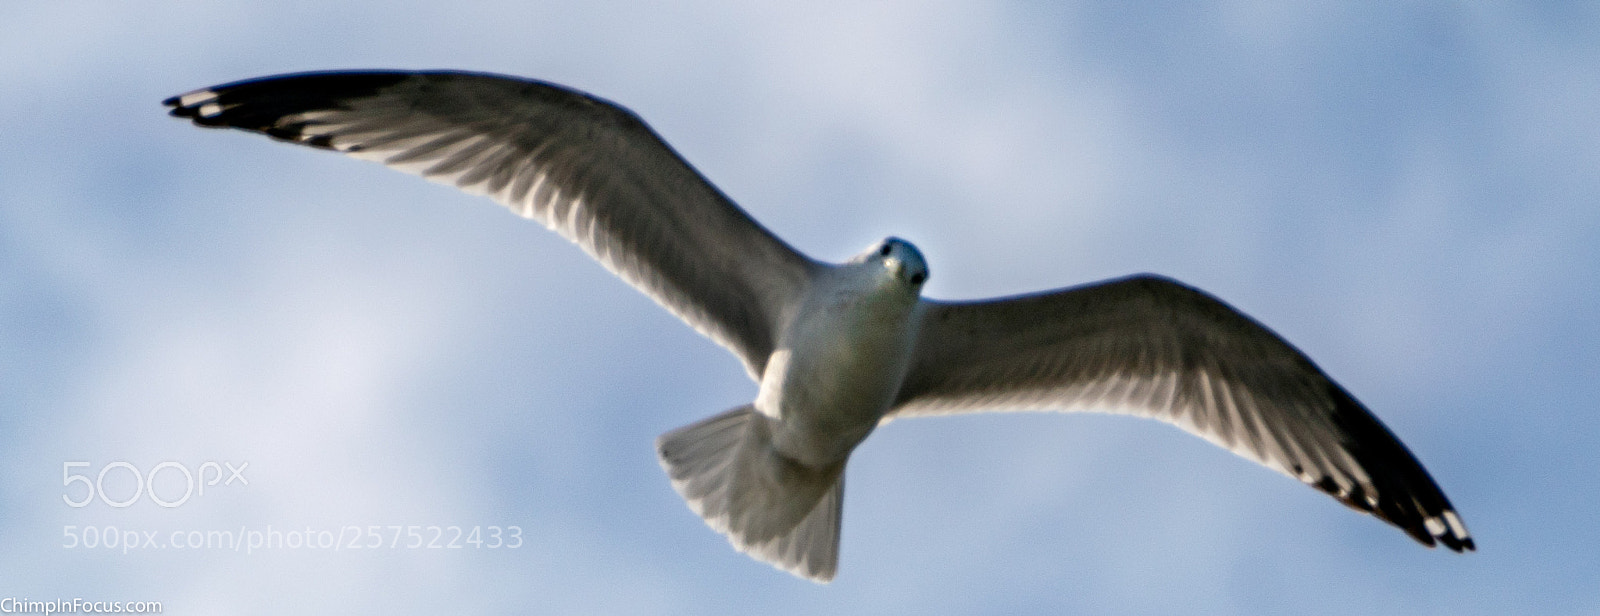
(1156, 348)
(586, 168)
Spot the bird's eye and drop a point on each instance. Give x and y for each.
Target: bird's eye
(884, 251)
(918, 277)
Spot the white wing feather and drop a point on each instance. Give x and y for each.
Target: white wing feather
(586, 168)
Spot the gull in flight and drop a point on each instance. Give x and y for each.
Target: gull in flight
(838, 349)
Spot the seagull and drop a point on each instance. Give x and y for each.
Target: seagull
(837, 349)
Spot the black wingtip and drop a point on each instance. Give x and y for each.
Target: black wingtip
(187, 112)
(1405, 495)
(184, 113)
(261, 104)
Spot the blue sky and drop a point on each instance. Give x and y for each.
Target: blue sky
(1409, 192)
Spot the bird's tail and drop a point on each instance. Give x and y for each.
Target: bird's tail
(770, 506)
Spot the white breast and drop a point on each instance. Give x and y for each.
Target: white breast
(839, 365)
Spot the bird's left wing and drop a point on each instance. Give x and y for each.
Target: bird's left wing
(586, 168)
(1153, 347)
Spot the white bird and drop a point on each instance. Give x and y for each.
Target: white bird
(838, 349)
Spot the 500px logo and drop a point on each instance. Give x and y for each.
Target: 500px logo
(145, 483)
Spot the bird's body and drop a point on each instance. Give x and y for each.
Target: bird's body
(841, 360)
(837, 349)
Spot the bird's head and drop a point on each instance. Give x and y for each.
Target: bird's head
(900, 259)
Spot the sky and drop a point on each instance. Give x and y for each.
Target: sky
(1409, 192)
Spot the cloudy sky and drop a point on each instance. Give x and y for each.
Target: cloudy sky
(1410, 192)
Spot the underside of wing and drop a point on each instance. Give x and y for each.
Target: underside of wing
(1156, 348)
(584, 167)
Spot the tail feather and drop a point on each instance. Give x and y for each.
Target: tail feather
(770, 506)
(811, 550)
